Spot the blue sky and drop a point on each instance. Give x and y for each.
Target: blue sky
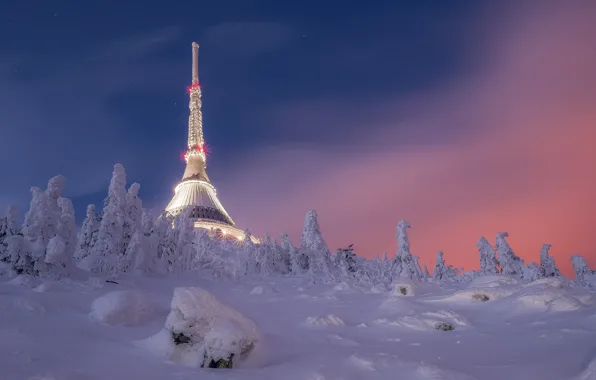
(90, 84)
(463, 117)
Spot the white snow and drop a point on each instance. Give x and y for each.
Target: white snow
(543, 330)
(123, 307)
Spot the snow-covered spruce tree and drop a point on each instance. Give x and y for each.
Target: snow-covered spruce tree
(53, 193)
(511, 264)
(185, 245)
(266, 256)
(531, 272)
(133, 213)
(404, 265)
(250, 254)
(86, 234)
(580, 266)
(107, 250)
(426, 273)
(205, 251)
(146, 222)
(8, 228)
(548, 268)
(61, 247)
(347, 258)
(314, 247)
(35, 231)
(488, 257)
(444, 272)
(292, 252)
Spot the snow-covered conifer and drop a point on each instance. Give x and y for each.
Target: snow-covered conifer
(580, 266)
(313, 247)
(488, 257)
(53, 211)
(88, 231)
(426, 273)
(146, 222)
(511, 264)
(8, 227)
(107, 250)
(185, 249)
(531, 272)
(404, 264)
(548, 268)
(444, 272)
(19, 255)
(293, 254)
(67, 228)
(57, 257)
(346, 261)
(133, 212)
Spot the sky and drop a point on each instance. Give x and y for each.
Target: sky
(465, 118)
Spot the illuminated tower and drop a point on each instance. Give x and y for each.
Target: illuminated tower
(195, 190)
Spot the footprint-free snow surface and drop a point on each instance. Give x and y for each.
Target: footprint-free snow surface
(493, 328)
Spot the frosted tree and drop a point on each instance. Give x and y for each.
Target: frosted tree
(35, 231)
(404, 264)
(167, 247)
(580, 266)
(444, 272)
(346, 261)
(426, 273)
(53, 209)
(146, 222)
(316, 255)
(488, 259)
(107, 250)
(8, 228)
(285, 254)
(18, 254)
(57, 259)
(67, 228)
(548, 268)
(88, 231)
(511, 264)
(292, 252)
(531, 272)
(266, 256)
(185, 249)
(133, 211)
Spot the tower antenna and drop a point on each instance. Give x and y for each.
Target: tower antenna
(195, 63)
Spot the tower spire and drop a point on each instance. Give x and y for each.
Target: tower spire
(195, 119)
(195, 63)
(195, 190)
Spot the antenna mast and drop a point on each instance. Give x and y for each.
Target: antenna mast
(195, 63)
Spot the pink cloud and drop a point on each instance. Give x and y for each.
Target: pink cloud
(525, 163)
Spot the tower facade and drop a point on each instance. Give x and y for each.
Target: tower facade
(195, 190)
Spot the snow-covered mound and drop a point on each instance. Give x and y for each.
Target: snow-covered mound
(123, 307)
(440, 320)
(200, 331)
(548, 300)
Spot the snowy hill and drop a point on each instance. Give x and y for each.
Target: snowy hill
(502, 329)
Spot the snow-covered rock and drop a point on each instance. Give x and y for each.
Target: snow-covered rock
(428, 321)
(404, 287)
(200, 331)
(123, 307)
